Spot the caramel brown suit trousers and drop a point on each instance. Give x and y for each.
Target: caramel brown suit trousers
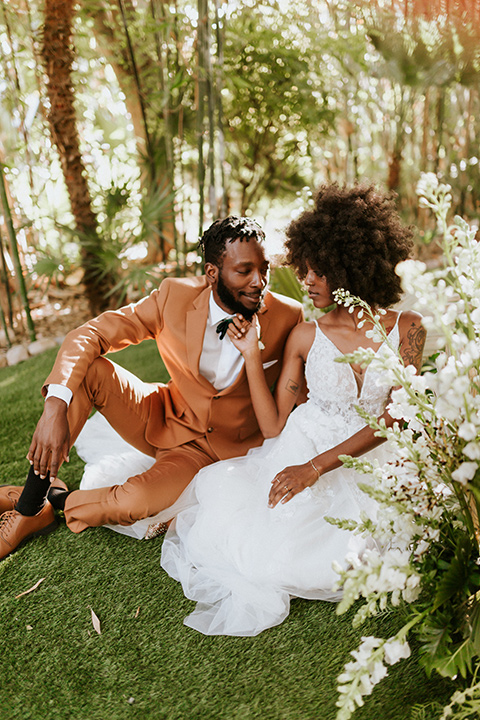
(185, 424)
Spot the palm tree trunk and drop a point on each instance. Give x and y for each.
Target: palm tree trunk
(58, 54)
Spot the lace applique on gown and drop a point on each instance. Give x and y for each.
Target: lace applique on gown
(241, 560)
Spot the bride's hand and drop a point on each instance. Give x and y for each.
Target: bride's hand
(243, 334)
(287, 483)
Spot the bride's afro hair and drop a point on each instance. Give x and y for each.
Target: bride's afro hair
(354, 238)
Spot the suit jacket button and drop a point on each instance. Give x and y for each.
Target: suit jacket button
(210, 429)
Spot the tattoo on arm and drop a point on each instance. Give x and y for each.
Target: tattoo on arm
(412, 349)
(292, 387)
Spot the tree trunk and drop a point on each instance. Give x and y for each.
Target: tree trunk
(425, 151)
(111, 23)
(440, 127)
(57, 53)
(394, 169)
(220, 33)
(166, 177)
(210, 88)
(107, 40)
(202, 6)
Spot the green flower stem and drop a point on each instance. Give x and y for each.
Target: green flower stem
(467, 516)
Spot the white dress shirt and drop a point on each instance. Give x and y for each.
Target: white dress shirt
(220, 361)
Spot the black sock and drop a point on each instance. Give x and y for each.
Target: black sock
(57, 497)
(33, 495)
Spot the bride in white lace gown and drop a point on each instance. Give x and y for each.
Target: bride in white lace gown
(241, 559)
(255, 534)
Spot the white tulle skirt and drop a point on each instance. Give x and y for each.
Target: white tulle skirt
(240, 560)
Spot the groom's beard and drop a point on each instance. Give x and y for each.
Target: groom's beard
(233, 304)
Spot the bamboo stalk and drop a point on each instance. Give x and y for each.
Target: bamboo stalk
(4, 277)
(5, 328)
(16, 256)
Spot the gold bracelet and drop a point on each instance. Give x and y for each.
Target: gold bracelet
(316, 470)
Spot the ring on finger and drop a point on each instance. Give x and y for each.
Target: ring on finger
(285, 487)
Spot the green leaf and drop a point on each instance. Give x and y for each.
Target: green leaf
(435, 637)
(474, 623)
(455, 577)
(460, 661)
(284, 281)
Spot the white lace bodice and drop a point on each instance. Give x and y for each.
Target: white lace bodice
(333, 386)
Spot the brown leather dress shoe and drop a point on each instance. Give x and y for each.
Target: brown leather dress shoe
(15, 528)
(9, 495)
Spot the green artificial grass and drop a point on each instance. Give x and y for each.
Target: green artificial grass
(145, 664)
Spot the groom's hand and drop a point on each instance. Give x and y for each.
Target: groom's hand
(51, 440)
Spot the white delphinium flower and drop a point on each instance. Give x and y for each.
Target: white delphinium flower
(396, 650)
(468, 431)
(360, 677)
(426, 525)
(472, 450)
(465, 472)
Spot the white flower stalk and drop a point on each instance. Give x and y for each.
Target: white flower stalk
(369, 667)
(425, 535)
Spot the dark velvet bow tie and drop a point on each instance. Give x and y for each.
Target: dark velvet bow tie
(222, 326)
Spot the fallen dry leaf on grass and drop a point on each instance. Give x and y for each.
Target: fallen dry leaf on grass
(34, 587)
(137, 613)
(95, 622)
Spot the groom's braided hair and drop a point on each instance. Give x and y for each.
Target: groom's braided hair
(354, 238)
(214, 240)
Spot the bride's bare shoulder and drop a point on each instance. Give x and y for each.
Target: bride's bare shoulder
(301, 337)
(409, 321)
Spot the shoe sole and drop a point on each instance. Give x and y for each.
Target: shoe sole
(44, 531)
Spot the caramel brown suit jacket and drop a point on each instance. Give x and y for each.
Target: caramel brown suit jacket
(188, 406)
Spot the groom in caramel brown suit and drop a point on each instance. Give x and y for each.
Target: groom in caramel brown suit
(202, 415)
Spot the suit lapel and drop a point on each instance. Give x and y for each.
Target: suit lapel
(196, 322)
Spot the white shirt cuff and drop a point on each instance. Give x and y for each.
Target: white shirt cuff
(59, 391)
